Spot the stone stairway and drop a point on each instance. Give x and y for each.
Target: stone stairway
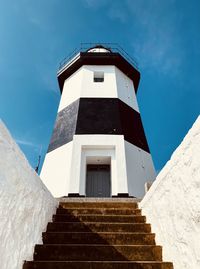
(87, 234)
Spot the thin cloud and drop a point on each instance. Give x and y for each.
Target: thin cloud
(157, 42)
(155, 24)
(51, 84)
(26, 143)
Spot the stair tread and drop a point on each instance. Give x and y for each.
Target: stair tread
(98, 265)
(99, 211)
(99, 208)
(98, 226)
(107, 261)
(98, 215)
(64, 252)
(94, 222)
(99, 218)
(139, 233)
(105, 205)
(97, 245)
(99, 238)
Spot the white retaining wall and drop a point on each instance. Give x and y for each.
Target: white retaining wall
(26, 205)
(172, 205)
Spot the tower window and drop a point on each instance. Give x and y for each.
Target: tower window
(98, 76)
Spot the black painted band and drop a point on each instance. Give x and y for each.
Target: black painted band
(75, 195)
(65, 126)
(98, 116)
(122, 195)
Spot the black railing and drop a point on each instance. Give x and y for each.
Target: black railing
(84, 47)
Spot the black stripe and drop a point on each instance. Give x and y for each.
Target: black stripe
(65, 126)
(99, 116)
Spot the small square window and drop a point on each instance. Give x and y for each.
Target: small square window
(98, 76)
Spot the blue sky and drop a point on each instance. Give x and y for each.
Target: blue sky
(163, 35)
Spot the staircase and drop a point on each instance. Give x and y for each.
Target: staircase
(98, 234)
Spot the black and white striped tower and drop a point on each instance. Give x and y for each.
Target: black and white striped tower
(98, 146)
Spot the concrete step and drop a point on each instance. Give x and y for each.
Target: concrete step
(98, 211)
(97, 265)
(97, 227)
(99, 238)
(99, 218)
(91, 252)
(98, 234)
(103, 205)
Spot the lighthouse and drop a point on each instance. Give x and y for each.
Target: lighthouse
(98, 146)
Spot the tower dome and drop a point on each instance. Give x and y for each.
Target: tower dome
(99, 48)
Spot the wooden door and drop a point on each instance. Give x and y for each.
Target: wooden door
(98, 181)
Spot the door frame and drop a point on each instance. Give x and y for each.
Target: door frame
(98, 155)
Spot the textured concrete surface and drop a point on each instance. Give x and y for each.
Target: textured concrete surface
(172, 205)
(25, 204)
(93, 200)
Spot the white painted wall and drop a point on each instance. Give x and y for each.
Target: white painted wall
(111, 145)
(71, 89)
(26, 206)
(140, 169)
(172, 205)
(56, 170)
(64, 169)
(99, 89)
(125, 89)
(115, 85)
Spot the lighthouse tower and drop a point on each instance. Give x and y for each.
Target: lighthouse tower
(98, 146)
